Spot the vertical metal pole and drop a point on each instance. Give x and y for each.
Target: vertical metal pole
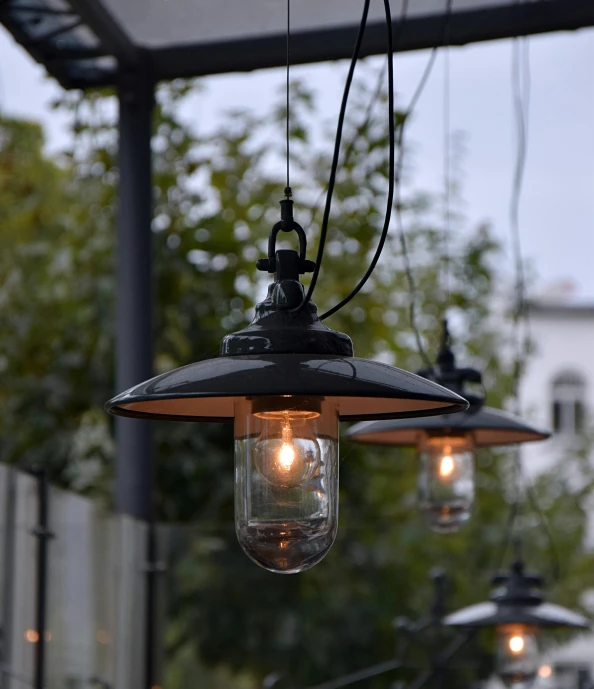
(134, 348)
(134, 302)
(43, 535)
(8, 560)
(437, 614)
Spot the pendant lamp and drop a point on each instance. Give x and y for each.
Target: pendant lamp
(446, 444)
(518, 611)
(285, 381)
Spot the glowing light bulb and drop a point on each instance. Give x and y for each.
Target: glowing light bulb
(545, 671)
(516, 644)
(286, 453)
(286, 457)
(446, 480)
(517, 655)
(446, 466)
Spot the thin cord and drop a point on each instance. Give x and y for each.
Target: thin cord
(334, 166)
(521, 99)
(447, 182)
(521, 94)
(396, 192)
(356, 136)
(391, 166)
(554, 553)
(412, 290)
(288, 188)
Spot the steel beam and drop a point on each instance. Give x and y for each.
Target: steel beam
(134, 301)
(112, 36)
(416, 33)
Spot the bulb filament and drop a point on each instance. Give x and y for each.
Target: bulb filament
(286, 454)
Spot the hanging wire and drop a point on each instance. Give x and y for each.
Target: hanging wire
(521, 319)
(391, 166)
(334, 166)
(520, 94)
(360, 130)
(398, 174)
(447, 181)
(288, 192)
(521, 316)
(412, 289)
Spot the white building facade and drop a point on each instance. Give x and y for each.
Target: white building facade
(557, 392)
(558, 386)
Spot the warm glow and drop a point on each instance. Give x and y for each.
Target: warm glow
(545, 671)
(446, 466)
(103, 637)
(516, 644)
(31, 636)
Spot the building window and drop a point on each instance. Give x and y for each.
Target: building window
(568, 403)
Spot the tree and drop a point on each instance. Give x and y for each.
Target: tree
(216, 199)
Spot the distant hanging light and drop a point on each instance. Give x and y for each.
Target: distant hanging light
(518, 612)
(286, 380)
(446, 444)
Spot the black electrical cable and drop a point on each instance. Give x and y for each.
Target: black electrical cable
(412, 307)
(334, 166)
(394, 184)
(447, 181)
(356, 136)
(288, 187)
(391, 169)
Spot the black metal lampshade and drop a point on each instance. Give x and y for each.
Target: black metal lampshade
(517, 600)
(487, 427)
(285, 352)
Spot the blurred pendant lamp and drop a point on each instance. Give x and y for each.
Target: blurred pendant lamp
(446, 444)
(518, 612)
(286, 380)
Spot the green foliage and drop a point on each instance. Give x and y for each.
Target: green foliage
(216, 198)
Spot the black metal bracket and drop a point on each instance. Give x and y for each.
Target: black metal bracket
(271, 264)
(446, 373)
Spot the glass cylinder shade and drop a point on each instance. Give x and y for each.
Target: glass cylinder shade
(517, 655)
(446, 480)
(286, 480)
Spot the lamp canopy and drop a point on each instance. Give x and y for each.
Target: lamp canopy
(488, 427)
(286, 351)
(517, 600)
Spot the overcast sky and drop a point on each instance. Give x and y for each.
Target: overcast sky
(557, 215)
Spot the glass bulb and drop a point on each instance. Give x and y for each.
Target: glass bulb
(287, 453)
(286, 480)
(517, 655)
(446, 480)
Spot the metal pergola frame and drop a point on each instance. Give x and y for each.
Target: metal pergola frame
(105, 59)
(81, 44)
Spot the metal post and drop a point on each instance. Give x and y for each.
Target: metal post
(43, 535)
(134, 336)
(134, 350)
